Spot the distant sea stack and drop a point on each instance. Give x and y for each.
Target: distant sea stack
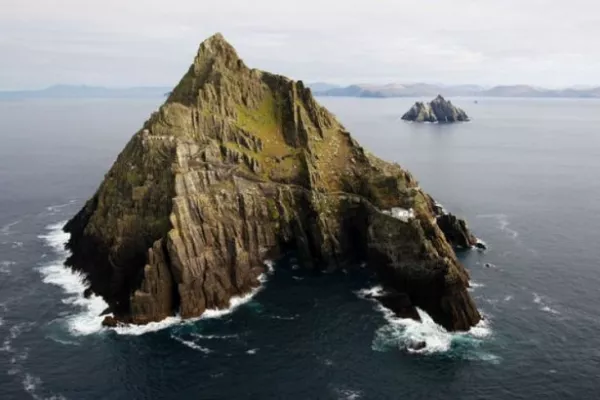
(240, 166)
(437, 110)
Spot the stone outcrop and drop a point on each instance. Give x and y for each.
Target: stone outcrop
(239, 166)
(437, 110)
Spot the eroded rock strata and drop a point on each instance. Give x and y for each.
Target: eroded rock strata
(437, 110)
(241, 165)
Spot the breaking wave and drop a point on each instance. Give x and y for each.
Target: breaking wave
(402, 333)
(88, 320)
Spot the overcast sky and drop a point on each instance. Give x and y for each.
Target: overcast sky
(152, 42)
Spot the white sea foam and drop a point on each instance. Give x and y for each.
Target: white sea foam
(370, 292)
(88, 319)
(252, 351)
(31, 385)
(503, 223)
(192, 345)
(402, 332)
(283, 317)
(348, 394)
(270, 265)
(13, 333)
(481, 242)
(136, 330)
(5, 230)
(212, 337)
(542, 303)
(55, 208)
(5, 266)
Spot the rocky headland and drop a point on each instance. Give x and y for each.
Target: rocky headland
(437, 110)
(239, 166)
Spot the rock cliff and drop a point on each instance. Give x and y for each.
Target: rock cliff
(240, 165)
(437, 110)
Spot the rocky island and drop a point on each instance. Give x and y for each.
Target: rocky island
(239, 166)
(437, 110)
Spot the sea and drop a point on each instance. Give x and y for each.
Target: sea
(525, 173)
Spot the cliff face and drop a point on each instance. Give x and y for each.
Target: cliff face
(240, 165)
(437, 110)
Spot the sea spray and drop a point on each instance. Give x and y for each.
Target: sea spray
(401, 333)
(88, 319)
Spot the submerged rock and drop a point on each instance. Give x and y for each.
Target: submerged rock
(437, 110)
(416, 345)
(480, 245)
(241, 165)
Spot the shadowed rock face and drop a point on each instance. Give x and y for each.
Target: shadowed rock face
(238, 166)
(437, 110)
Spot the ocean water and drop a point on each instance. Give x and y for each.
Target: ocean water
(524, 173)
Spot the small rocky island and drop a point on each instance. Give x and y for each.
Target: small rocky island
(239, 166)
(437, 110)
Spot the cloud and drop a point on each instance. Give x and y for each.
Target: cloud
(151, 42)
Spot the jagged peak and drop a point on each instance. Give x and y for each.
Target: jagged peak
(216, 47)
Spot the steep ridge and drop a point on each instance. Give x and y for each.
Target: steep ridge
(241, 165)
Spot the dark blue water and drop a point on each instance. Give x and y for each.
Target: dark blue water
(523, 172)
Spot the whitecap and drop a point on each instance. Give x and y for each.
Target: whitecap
(270, 264)
(348, 394)
(298, 278)
(370, 292)
(31, 384)
(286, 318)
(5, 230)
(192, 345)
(508, 298)
(211, 337)
(13, 333)
(543, 306)
(55, 208)
(251, 351)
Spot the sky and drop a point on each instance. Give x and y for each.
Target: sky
(124, 43)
